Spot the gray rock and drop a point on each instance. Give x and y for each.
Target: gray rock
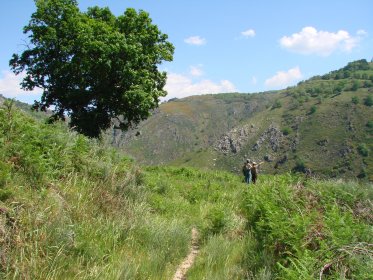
(345, 151)
(234, 139)
(273, 135)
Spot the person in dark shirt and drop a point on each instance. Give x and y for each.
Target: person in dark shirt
(254, 171)
(246, 170)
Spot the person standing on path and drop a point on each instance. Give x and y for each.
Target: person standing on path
(246, 170)
(254, 171)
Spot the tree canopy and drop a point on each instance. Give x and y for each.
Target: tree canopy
(93, 66)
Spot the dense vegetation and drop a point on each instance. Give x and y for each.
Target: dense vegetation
(73, 208)
(321, 125)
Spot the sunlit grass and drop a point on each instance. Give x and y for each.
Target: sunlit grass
(73, 208)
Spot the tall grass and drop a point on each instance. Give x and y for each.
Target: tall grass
(74, 208)
(308, 229)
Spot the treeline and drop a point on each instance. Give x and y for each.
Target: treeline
(358, 69)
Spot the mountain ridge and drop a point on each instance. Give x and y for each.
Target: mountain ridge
(318, 124)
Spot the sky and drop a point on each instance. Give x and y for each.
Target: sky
(221, 46)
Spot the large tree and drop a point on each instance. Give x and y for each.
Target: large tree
(93, 66)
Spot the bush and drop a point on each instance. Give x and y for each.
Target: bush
(355, 100)
(300, 166)
(287, 130)
(313, 109)
(363, 150)
(355, 85)
(368, 101)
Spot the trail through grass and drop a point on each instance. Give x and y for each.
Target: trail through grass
(189, 260)
(73, 208)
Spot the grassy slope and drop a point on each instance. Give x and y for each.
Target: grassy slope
(183, 133)
(71, 208)
(189, 125)
(336, 120)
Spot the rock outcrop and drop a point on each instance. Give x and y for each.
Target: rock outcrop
(234, 139)
(274, 137)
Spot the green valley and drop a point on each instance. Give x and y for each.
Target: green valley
(322, 125)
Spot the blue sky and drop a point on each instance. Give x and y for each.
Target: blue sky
(227, 46)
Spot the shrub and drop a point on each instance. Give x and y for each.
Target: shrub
(368, 101)
(355, 100)
(363, 150)
(313, 109)
(287, 130)
(355, 85)
(300, 166)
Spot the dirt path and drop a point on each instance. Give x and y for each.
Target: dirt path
(189, 260)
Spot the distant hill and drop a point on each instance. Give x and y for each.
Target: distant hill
(26, 108)
(323, 125)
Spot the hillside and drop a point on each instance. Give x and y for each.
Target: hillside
(324, 125)
(189, 125)
(73, 208)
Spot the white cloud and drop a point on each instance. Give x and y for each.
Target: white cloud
(195, 40)
(283, 79)
(361, 33)
(324, 43)
(196, 71)
(10, 86)
(181, 86)
(248, 33)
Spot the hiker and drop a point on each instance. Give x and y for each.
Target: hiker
(246, 170)
(254, 171)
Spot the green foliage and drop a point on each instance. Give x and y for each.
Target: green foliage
(5, 194)
(361, 64)
(199, 124)
(363, 149)
(300, 166)
(355, 85)
(313, 109)
(94, 66)
(70, 204)
(368, 101)
(216, 220)
(277, 104)
(221, 259)
(348, 71)
(303, 227)
(338, 89)
(287, 130)
(355, 100)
